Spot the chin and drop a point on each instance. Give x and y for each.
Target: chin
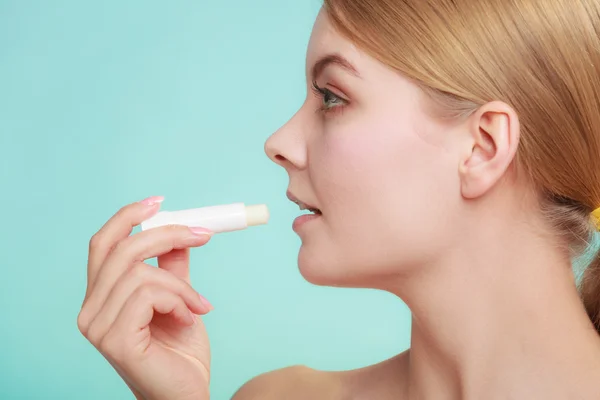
(310, 268)
(315, 268)
(329, 270)
(347, 269)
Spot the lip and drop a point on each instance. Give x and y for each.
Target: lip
(304, 219)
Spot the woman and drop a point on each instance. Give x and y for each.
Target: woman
(451, 152)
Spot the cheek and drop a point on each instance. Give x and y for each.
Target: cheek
(382, 187)
(372, 166)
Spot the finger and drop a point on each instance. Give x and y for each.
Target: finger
(118, 227)
(137, 248)
(176, 262)
(142, 275)
(132, 323)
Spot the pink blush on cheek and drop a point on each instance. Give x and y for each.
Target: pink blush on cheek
(344, 168)
(374, 158)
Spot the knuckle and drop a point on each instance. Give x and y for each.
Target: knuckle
(83, 322)
(139, 272)
(121, 246)
(95, 241)
(123, 211)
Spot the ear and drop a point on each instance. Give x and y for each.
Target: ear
(492, 144)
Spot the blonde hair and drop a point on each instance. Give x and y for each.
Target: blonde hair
(542, 57)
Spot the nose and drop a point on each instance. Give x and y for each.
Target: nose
(287, 146)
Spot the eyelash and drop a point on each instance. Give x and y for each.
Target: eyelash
(322, 93)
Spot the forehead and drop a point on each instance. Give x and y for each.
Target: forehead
(325, 40)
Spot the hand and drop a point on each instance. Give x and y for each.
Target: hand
(144, 320)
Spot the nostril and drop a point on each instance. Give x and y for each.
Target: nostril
(279, 157)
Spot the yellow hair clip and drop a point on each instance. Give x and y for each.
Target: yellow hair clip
(596, 216)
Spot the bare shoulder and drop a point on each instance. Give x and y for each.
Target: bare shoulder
(385, 380)
(296, 382)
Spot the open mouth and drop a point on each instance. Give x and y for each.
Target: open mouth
(304, 206)
(315, 211)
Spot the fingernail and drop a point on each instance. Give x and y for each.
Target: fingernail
(201, 231)
(206, 302)
(150, 201)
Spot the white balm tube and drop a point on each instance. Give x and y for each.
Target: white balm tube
(223, 218)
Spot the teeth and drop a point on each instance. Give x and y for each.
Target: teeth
(303, 207)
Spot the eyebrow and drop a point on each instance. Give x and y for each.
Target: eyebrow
(332, 59)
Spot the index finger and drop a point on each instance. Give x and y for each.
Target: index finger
(137, 248)
(117, 228)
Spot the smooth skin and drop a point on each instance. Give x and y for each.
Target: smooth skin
(143, 318)
(431, 211)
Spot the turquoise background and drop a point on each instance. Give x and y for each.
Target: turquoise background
(107, 102)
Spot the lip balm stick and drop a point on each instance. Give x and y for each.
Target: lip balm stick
(222, 218)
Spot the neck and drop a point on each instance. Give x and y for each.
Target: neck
(499, 322)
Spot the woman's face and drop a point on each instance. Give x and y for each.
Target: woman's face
(364, 152)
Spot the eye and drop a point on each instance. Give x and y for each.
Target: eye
(330, 100)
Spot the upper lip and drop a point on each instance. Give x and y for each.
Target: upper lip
(301, 204)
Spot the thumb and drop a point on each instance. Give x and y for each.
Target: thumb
(176, 262)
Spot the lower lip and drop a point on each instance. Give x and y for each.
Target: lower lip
(304, 219)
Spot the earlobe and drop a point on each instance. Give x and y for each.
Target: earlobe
(493, 141)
